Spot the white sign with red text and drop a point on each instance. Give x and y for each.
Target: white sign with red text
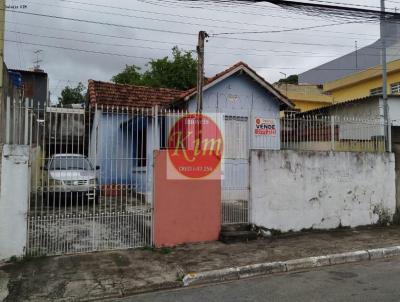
(265, 127)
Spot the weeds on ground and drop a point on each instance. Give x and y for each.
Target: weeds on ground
(162, 251)
(25, 258)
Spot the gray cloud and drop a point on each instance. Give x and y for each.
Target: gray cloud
(69, 67)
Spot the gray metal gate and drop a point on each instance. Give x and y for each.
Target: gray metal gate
(91, 186)
(235, 182)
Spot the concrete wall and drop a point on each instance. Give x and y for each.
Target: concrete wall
(185, 211)
(15, 184)
(322, 190)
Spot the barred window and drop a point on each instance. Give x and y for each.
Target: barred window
(395, 88)
(376, 91)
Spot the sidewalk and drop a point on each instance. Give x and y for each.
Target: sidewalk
(105, 275)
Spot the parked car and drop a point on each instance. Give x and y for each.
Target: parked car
(70, 173)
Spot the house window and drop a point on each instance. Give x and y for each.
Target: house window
(395, 88)
(236, 137)
(376, 91)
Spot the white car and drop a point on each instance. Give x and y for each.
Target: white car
(70, 173)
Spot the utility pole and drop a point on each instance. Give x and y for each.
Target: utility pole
(200, 70)
(2, 90)
(384, 80)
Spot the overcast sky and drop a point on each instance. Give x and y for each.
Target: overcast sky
(150, 28)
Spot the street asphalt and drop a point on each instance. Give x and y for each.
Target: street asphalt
(365, 281)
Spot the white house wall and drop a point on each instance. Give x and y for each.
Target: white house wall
(348, 117)
(322, 190)
(15, 185)
(394, 110)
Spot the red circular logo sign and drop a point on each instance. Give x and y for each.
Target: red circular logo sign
(195, 146)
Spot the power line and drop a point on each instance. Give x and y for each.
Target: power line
(175, 15)
(283, 30)
(170, 42)
(168, 49)
(148, 58)
(101, 23)
(178, 32)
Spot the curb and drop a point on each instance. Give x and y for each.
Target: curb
(236, 273)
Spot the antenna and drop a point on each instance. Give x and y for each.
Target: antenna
(356, 46)
(38, 60)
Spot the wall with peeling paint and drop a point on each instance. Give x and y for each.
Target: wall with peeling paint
(15, 183)
(294, 190)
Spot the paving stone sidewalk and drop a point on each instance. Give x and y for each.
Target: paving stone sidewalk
(108, 275)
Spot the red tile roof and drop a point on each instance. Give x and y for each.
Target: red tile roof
(103, 93)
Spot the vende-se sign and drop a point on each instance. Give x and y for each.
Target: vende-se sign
(266, 127)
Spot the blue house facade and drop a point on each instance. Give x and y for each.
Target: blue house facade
(249, 108)
(125, 129)
(121, 138)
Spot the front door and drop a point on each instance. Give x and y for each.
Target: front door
(235, 182)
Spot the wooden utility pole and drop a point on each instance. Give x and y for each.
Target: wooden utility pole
(387, 126)
(200, 70)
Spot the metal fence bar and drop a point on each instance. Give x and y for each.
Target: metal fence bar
(324, 133)
(67, 212)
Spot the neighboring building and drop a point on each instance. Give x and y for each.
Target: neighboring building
(369, 108)
(359, 73)
(35, 86)
(352, 76)
(362, 59)
(304, 96)
(364, 83)
(356, 125)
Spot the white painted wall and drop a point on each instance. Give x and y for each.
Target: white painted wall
(394, 109)
(15, 185)
(295, 190)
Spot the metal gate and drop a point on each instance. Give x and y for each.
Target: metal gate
(91, 186)
(235, 182)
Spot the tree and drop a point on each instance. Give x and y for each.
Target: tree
(130, 75)
(178, 73)
(71, 95)
(292, 79)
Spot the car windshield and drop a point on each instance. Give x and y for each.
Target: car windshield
(70, 163)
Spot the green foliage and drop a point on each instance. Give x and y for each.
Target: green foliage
(180, 72)
(26, 258)
(292, 79)
(13, 259)
(130, 75)
(148, 248)
(165, 251)
(162, 251)
(71, 95)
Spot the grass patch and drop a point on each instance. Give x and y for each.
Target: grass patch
(162, 251)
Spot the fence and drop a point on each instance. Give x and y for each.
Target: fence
(16, 121)
(324, 133)
(92, 169)
(91, 183)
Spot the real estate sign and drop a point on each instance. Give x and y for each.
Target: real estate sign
(265, 127)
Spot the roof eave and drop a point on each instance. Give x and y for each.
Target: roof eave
(254, 76)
